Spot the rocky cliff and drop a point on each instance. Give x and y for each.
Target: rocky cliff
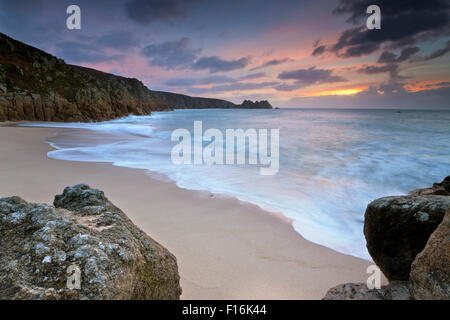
(408, 238)
(263, 104)
(35, 85)
(83, 247)
(180, 101)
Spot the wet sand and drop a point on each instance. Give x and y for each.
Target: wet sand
(226, 249)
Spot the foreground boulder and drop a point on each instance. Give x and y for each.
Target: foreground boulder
(41, 244)
(397, 290)
(397, 229)
(408, 237)
(430, 271)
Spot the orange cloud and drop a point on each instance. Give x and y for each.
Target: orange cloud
(426, 85)
(339, 92)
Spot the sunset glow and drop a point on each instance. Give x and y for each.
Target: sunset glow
(339, 92)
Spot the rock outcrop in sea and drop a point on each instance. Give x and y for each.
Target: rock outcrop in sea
(43, 248)
(263, 104)
(408, 238)
(35, 85)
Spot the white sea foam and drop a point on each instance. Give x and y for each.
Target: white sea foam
(332, 162)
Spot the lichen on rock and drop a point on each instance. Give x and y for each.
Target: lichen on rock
(408, 237)
(116, 259)
(396, 290)
(430, 271)
(397, 229)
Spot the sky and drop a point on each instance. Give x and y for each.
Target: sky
(302, 53)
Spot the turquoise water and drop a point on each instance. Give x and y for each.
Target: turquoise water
(332, 162)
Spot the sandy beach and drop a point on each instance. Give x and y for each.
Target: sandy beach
(226, 249)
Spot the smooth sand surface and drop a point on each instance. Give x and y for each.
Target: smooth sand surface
(226, 249)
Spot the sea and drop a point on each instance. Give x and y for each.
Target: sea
(332, 162)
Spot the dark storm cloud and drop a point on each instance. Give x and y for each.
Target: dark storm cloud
(217, 64)
(147, 11)
(180, 54)
(378, 69)
(307, 77)
(360, 41)
(403, 23)
(171, 54)
(357, 8)
(405, 54)
(391, 68)
(273, 62)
